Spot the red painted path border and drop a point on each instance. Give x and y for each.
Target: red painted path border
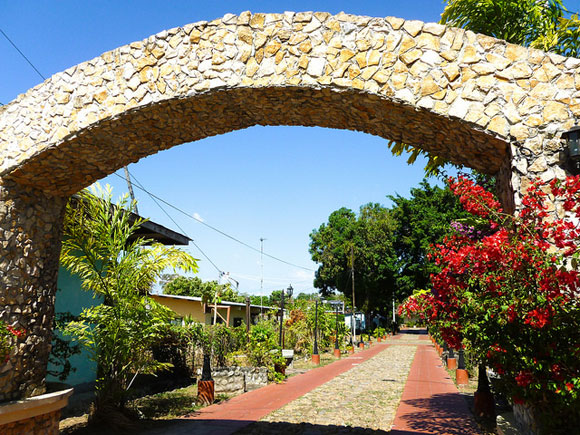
(240, 411)
(431, 403)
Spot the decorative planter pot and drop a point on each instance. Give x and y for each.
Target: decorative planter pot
(351, 349)
(384, 337)
(205, 392)
(462, 376)
(35, 415)
(316, 359)
(361, 345)
(451, 363)
(378, 339)
(337, 353)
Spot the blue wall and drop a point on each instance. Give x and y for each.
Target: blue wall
(72, 298)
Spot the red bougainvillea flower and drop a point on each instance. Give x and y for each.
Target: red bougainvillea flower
(509, 287)
(524, 378)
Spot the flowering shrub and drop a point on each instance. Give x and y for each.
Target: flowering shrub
(508, 287)
(7, 336)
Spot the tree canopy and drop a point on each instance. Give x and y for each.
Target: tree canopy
(422, 220)
(389, 246)
(194, 286)
(366, 240)
(546, 25)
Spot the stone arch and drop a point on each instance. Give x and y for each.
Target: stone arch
(475, 100)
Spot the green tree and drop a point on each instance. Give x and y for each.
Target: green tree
(275, 298)
(546, 25)
(422, 220)
(368, 238)
(100, 247)
(194, 286)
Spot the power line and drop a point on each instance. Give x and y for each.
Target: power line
(177, 225)
(23, 55)
(214, 228)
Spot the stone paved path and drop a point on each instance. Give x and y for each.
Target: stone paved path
(366, 396)
(365, 393)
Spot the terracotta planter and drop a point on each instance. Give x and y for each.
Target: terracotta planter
(451, 363)
(316, 359)
(462, 376)
(384, 337)
(205, 392)
(378, 339)
(361, 345)
(351, 350)
(337, 353)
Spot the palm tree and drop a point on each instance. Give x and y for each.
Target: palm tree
(543, 24)
(100, 246)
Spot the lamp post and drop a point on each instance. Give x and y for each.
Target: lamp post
(289, 292)
(336, 346)
(315, 355)
(570, 155)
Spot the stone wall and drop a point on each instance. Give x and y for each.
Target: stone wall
(45, 424)
(237, 380)
(30, 235)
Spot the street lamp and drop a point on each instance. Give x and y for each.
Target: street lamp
(570, 155)
(336, 346)
(289, 292)
(315, 355)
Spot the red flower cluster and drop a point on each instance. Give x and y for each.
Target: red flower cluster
(16, 332)
(524, 378)
(512, 292)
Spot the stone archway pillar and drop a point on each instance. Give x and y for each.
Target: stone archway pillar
(30, 241)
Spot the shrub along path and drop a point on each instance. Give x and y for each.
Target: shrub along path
(355, 395)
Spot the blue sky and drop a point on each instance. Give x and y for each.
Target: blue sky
(278, 183)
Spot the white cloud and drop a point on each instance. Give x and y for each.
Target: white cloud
(197, 217)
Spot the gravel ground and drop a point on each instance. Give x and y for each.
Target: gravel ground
(360, 400)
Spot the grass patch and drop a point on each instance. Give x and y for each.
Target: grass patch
(167, 405)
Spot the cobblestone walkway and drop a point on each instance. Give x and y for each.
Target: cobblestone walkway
(366, 396)
(362, 399)
(396, 389)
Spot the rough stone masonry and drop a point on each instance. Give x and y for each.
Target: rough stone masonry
(475, 100)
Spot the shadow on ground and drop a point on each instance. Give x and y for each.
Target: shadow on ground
(441, 413)
(225, 427)
(420, 331)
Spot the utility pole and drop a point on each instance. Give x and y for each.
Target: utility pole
(262, 277)
(352, 279)
(131, 194)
